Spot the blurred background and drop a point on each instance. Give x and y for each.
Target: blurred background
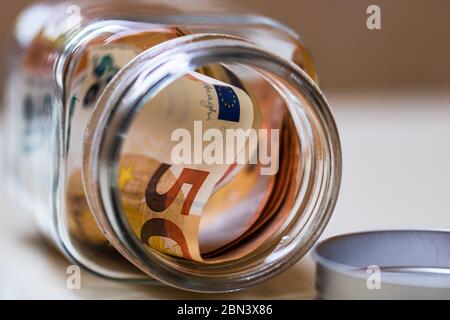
(412, 50)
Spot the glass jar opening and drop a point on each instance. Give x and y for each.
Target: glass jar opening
(256, 90)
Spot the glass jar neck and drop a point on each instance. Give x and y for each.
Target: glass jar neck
(142, 79)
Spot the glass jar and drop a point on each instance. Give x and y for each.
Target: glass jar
(101, 101)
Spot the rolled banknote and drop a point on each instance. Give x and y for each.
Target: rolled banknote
(176, 202)
(172, 195)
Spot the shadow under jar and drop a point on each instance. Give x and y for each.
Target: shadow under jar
(187, 144)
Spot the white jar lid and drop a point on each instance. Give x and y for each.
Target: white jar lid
(397, 264)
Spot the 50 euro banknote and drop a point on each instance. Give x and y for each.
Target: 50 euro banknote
(164, 201)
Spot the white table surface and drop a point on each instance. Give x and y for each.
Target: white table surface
(396, 150)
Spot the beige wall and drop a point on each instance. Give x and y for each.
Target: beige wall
(411, 50)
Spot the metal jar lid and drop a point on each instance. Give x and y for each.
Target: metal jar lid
(400, 264)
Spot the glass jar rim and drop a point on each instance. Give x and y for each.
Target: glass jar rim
(141, 79)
